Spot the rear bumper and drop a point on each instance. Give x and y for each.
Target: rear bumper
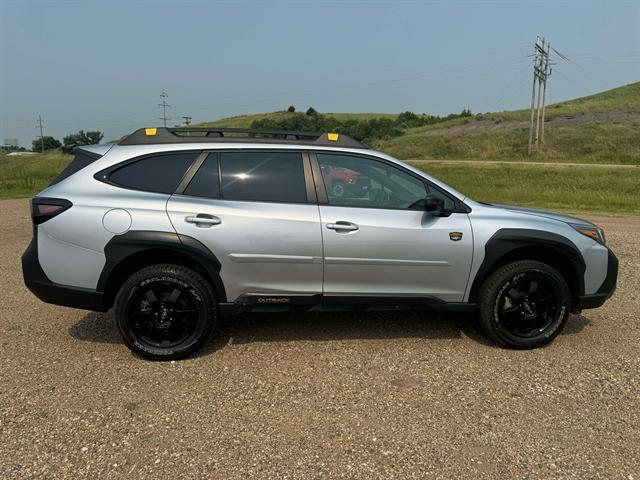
(607, 288)
(36, 280)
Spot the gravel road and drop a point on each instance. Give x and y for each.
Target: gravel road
(319, 396)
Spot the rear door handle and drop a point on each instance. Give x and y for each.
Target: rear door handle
(203, 220)
(343, 226)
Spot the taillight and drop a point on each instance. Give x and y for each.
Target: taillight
(43, 209)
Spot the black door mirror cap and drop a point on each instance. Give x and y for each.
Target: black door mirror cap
(435, 206)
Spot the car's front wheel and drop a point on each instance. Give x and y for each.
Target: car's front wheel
(165, 312)
(524, 304)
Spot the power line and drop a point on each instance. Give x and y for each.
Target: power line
(41, 127)
(541, 72)
(187, 120)
(164, 106)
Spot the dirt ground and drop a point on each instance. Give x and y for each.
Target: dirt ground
(319, 396)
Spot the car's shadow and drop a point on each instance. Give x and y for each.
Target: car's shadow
(286, 327)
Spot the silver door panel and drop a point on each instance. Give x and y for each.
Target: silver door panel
(396, 253)
(262, 247)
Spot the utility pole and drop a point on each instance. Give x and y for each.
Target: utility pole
(187, 120)
(164, 105)
(41, 127)
(541, 72)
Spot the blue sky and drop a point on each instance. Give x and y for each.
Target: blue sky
(102, 65)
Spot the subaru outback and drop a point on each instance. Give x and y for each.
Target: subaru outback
(171, 228)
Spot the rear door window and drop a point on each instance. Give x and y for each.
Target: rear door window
(263, 176)
(156, 173)
(206, 181)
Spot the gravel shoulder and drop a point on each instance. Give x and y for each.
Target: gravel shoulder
(398, 395)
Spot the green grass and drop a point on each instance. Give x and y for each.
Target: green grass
(613, 137)
(570, 188)
(245, 121)
(625, 98)
(23, 176)
(601, 128)
(589, 143)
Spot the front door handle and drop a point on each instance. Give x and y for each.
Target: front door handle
(203, 220)
(343, 226)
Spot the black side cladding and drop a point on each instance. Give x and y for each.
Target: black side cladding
(122, 247)
(506, 240)
(82, 159)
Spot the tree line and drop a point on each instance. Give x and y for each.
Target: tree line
(360, 129)
(69, 142)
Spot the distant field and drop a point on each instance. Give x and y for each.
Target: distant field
(578, 189)
(570, 188)
(23, 176)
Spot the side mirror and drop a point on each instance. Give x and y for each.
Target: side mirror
(434, 206)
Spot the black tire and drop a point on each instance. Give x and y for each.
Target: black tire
(165, 312)
(524, 304)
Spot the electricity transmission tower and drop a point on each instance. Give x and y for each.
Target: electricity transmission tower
(164, 105)
(187, 120)
(541, 72)
(41, 127)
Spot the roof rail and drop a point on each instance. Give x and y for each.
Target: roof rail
(151, 136)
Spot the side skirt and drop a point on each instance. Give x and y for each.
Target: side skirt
(319, 303)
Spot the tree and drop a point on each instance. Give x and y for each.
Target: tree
(50, 143)
(312, 111)
(81, 138)
(291, 109)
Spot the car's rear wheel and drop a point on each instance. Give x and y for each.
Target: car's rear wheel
(165, 312)
(524, 304)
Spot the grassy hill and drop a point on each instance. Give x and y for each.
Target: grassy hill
(601, 128)
(245, 121)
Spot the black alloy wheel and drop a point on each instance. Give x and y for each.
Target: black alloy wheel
(524, 304)
(165, 311)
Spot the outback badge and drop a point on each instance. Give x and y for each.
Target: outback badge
(455, 236)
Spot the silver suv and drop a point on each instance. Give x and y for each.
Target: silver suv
(173, 227)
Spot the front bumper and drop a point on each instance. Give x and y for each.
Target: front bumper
(36, 280)
(607, 288)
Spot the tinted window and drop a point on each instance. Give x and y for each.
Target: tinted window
(158, 173)
(363, 182)
(263, 176)
(206, 182)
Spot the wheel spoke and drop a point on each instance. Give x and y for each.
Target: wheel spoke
(515, 294)
(175, 294)
(163, 314)
(151, 296)
(529, 305)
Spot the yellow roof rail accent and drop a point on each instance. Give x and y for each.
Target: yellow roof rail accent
(150, 131)
(333, 137)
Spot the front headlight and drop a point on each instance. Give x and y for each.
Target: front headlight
(592, 232)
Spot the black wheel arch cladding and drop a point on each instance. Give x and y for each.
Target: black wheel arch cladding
(507, 241)
(122, 247)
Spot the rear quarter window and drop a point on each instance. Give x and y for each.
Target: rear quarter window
(155, 173)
